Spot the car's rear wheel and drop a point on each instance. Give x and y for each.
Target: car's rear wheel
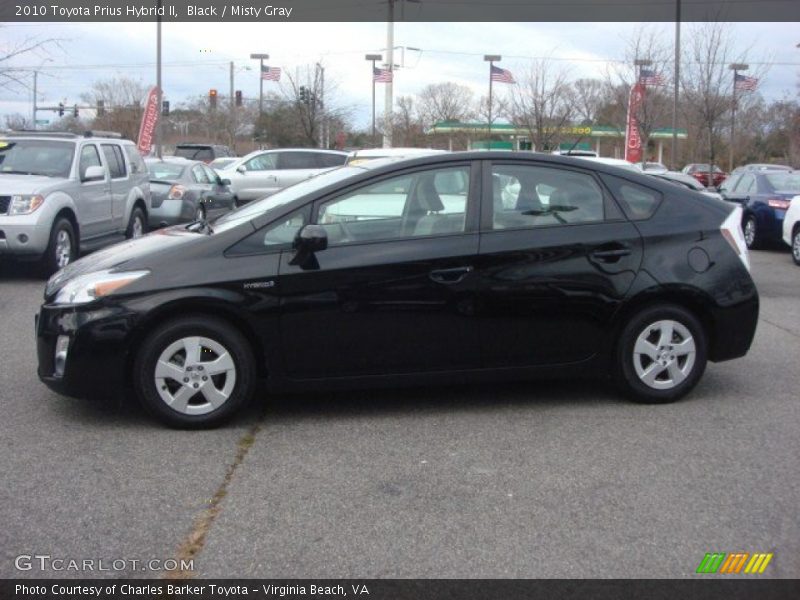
(194, 372)
(751, 236)
(137, 224)
(62, 248)
(796, 245)
(661, 354)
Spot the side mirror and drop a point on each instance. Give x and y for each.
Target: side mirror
(309, 240)
(241, 169)
(223, 181)
(94, 173)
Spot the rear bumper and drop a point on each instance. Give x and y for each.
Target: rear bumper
(734, 330)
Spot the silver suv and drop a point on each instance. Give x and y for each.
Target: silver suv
(63, 193)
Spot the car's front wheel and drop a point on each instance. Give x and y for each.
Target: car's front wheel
(661, 354)
(62, 248)
(751, 236)
(796, 246)
(194, 372)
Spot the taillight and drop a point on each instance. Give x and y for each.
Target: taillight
(176, 192)
(731, 230)
(779, 203)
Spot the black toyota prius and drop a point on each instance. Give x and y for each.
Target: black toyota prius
(447, 268)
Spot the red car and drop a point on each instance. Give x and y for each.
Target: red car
(701, 173)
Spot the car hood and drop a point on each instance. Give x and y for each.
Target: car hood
(11, 184)
(144, 250)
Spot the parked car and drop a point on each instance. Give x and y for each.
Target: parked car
(730, 182)
(686, 181)
(185, 190)
(764, 196)
(264, 172)
(203, 152)
(320, 286)
(791, 228)
(62, 194)
(655, 167)
(356, 157)
(712, 177)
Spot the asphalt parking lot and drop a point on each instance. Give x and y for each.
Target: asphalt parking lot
(558, 479)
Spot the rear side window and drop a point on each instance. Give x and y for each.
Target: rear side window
(135, 159)
(327, 161)
(199, 174)
(297, 160)
(638, 202)
(116, 164)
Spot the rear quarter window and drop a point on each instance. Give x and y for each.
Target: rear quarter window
(637, 201)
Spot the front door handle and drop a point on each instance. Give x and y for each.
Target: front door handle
(450, 276)
(610, 254)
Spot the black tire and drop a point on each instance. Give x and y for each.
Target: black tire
(627, 360)
(753, 242)
(137, 214)
(171, 333)
(796, 245)
(54, 257)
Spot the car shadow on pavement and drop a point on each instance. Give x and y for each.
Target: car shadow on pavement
(21, 271)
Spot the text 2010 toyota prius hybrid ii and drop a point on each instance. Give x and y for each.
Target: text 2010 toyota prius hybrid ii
(447, 268)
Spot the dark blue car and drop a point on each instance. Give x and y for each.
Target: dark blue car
(765, 196)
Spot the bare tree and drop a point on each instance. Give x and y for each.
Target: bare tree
(407, 125)
(123, 100)
(446, 101)
(11, 50)
(644, 45)
(588, 96)
(18, 122)
(540, 103)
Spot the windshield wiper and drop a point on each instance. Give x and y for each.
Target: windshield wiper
(200, 226)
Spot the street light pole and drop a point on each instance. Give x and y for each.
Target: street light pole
(373, 58)
(491, 59)
(159, 101)
(35, 74)
(389, 100)
(674, 149)
(735, 67)
(260, 58)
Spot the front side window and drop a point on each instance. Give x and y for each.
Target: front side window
(262, 162)
(274, 236)
(532, 196)
(89, 158)
(425, 203)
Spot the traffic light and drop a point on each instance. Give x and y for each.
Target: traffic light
(165, 108)
(75, 111)
(304, 95)
(101, 108)
(238, 97)
(60, 109)
(212, 99)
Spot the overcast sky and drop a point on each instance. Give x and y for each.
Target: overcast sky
(196, 55)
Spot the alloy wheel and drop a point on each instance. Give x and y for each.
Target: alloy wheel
(750, 231)
(664, 354)
(195, 375)
(63, 248)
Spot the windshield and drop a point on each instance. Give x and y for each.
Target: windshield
(284, 196)
(788, 181)
(36, 157)
(163, 171)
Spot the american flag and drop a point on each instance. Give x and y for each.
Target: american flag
(270, 73)
(382, 75)
(501, 75)
(744, 83)
(650, 77)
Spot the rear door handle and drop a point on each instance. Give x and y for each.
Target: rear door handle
(450, 276)
(610, 254)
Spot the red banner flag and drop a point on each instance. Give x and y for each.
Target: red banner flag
(149, 120)
(633, 141)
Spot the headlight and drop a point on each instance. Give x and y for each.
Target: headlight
(24, 204)
(92, 286)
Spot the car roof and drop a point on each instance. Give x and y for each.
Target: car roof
(62, 136)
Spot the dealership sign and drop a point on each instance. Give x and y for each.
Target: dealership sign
(149, 121)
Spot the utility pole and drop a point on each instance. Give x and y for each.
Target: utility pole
(35, 73)
(321, 105)
(260, 58)
(388, 105)
(491, 58)
(373, 58)
(673, 154)
(160, 100)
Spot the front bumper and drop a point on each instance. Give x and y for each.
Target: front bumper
(23, 234)
(97, 355)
